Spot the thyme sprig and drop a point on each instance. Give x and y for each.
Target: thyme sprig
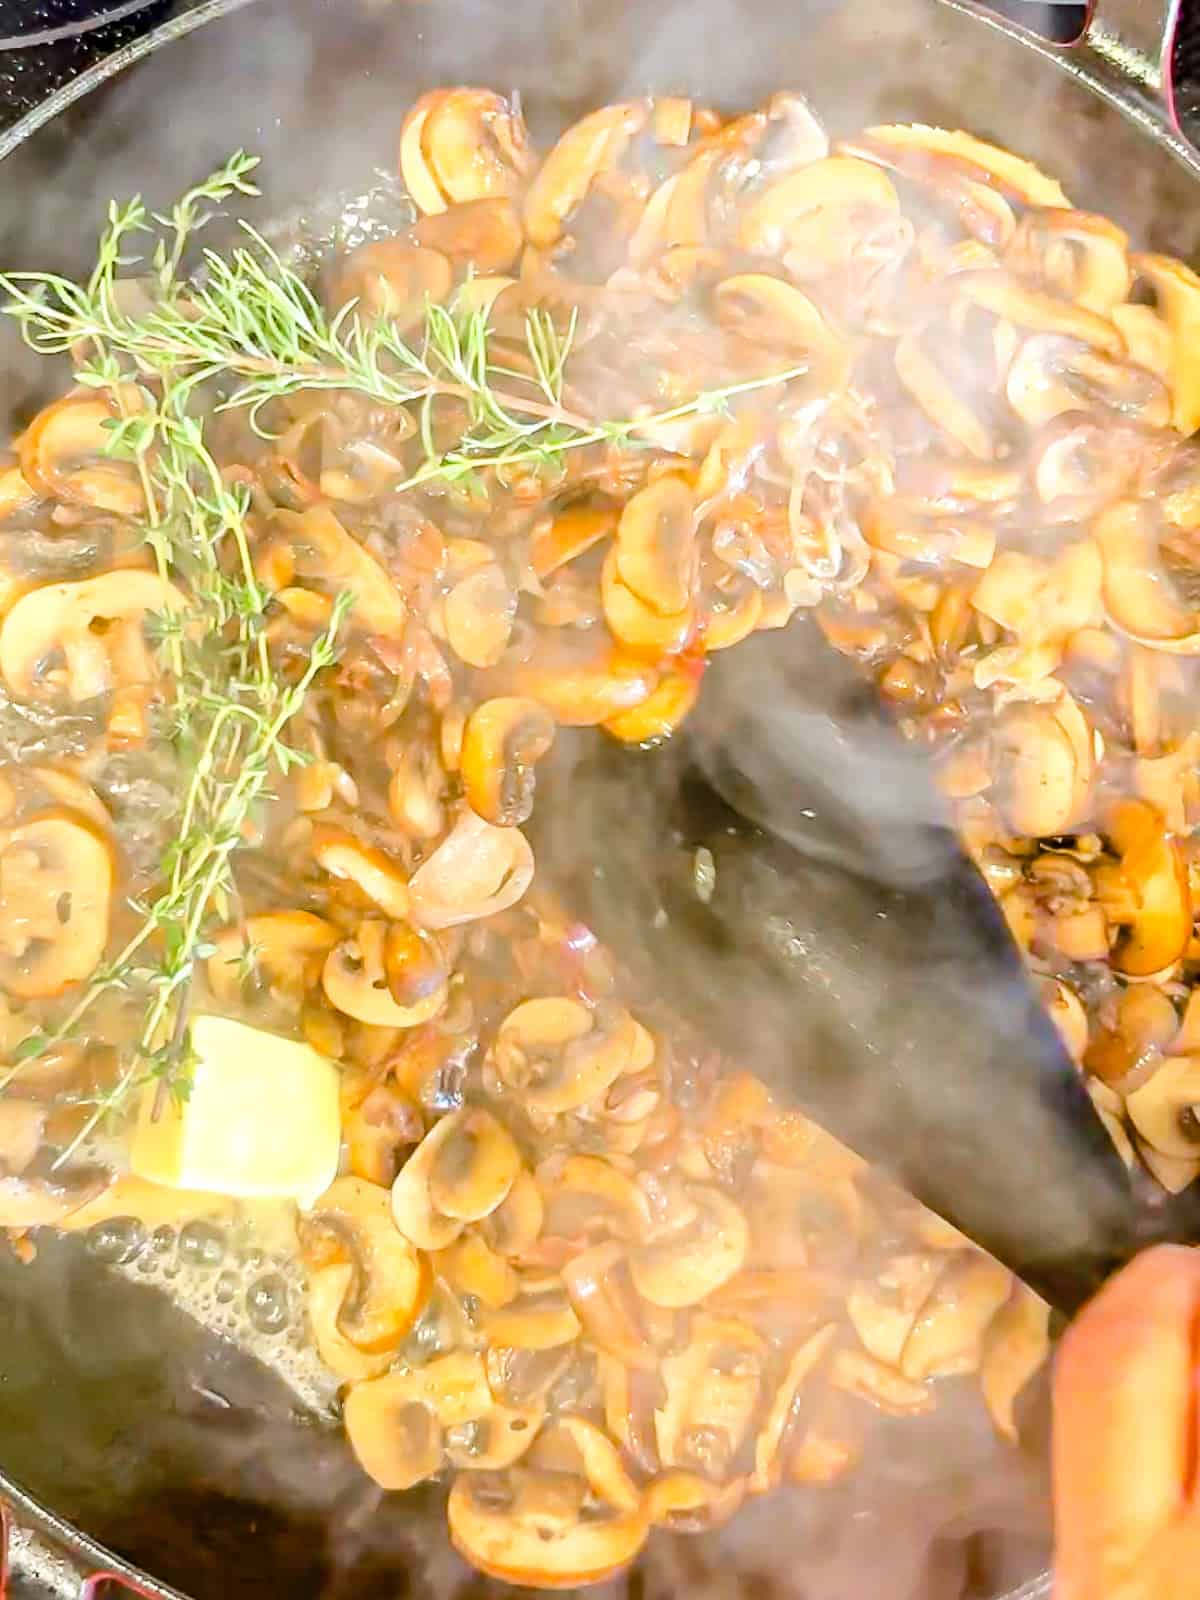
(230, 707)
(170, 345)
(251, 323)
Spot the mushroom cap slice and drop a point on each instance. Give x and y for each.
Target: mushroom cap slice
(683, 1270)
(558, 1054)
(66, 620)
(462, 1171)
(503, 741)
(326, 553)
(1166, 1109)
(476, 871)
(328, 1289)
(1014, 1347)
(397, 1440)
(57, 874)
(352, 1222)
(30, 1201)
(1153, 865)
(947, 1336)
(355, 978)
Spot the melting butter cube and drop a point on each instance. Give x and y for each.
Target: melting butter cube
(262, 1118)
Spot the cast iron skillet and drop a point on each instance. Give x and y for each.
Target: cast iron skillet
(848, 952)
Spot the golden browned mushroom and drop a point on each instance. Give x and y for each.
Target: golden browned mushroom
(1153, 868)
(64, 454)
(583, 1194)
(995, 291)
(379, 1121)
(656, 545)
(947, 1336)
(557, 1054)
(326, 554)
(659, 714)
(503, 741)
(478, 870)
(916, 150)
(496, 1441)
(810, 213)
(513, 1227)
(391, 280)
(357, 982)
(397, 1440)
(881, 1386)
(1014, 1347)
(1051, 374)
(1076, 254)
(478, 615)
(768, 1444)
(342, 855)
(584, 683)
(1138, 594)
(592, 145)
(351, 1224)
(884, 1309)
(56, 638)
(713, 1388)
(529, 1529)
(688, 1502)
(938, 398)
(602, 1296)
(540, 1318)
(636, 625)
(474, 1167)
(471, 1267)
(328, 1289)
(685, 1265)
(56, 882)
(771, 312)
(459, 145)
(278, 944)
(484, 235)
(1166, 1109)
(1178, 290)
(1034, 772)
(569, 534)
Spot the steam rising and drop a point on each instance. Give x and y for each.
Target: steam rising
(947, 1513)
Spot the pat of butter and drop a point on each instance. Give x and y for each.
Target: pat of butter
(262, 1118)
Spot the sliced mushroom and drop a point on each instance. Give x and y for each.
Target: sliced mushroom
(656, 545)
(57, 877)
(479, 613)
(470, 1267)
(477, 871)
(342, 855)
(922, 152)
(995, 291)
(811, 215)
(473, 1167)
(504, 740)
(398, 1441)
(540, 1318)
(1034, 772)
(585, 1194)
(64, 454)
(881, 1386)
(777, 314)
(513, 1227)
(352, 1224)
(947, 1337)
(660, 713)
(634, 623)
(688, 1502)
(22, 1123)
(939, 399)
(684, 1267)
(557, 1054)
(583, 685)
(884, 1309)
(530, 1530)
(357, 982)
(1051, 374)
(570, 534)
(491, 1443)
(1014, 1348)
(69, 623)
(391, 280)
(1153, 867)
(328, 1290)
(1166, 1109)
(768, 1444)
(325, 553)
(1076, 254)
(278, 944)
(713, 1389)
(1138, 595)
(590, 146)
(603, 1298)
(417, 971)
(1178, 291)
(483, 235)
